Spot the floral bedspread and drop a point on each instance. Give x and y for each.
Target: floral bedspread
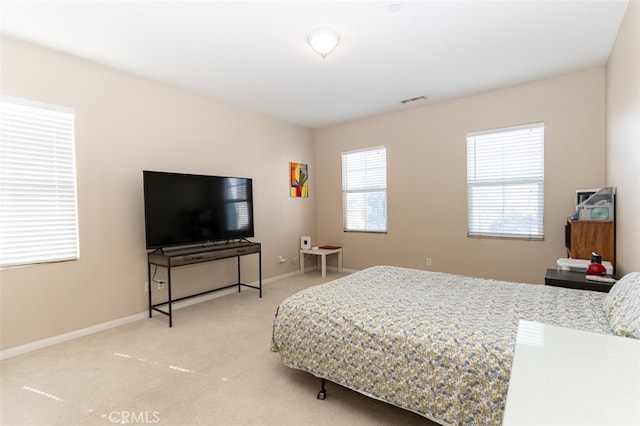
(437, 344)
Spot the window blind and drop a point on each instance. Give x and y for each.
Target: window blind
(505, 182)
(364, 190)
(38, 210)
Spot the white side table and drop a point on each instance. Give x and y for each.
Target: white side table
(323, 253)
(564, 376)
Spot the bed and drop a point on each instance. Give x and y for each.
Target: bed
(439, 345)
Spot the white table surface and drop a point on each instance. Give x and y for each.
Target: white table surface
(323, 253)
(562, 376)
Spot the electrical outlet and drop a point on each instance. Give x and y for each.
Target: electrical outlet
(160, 284)
(428, 261)
(146, 287)
(294, 260)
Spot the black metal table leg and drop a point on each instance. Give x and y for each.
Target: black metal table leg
(149, 288)
(260, 271)
(169, 294)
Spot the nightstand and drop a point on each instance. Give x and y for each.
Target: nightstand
(576, 377)
(323, 253)
(575, 280)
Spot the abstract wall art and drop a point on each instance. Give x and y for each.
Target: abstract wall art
(299, 180)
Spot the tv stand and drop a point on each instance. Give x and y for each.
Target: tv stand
(189, 256)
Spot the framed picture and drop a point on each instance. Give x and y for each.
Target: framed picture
(298, 180)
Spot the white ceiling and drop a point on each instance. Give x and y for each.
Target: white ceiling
(254, 54)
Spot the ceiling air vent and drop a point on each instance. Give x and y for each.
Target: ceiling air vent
(411, 100)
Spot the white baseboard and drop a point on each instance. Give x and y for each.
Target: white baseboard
(50, 341)
(54, 340)
(329, 268)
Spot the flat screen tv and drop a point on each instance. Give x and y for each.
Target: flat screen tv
(187, 209)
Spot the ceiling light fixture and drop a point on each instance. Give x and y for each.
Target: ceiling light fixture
(394, 7)
(323, 41)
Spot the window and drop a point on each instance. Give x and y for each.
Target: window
(505, 182)
(364, 190)
(38, 213)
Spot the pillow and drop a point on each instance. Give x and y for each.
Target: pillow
(622, 306)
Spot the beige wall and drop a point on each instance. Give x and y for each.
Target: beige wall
(623, 136)
(426, 157)
(124, 125)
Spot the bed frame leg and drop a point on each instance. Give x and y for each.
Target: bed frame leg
(323, 392)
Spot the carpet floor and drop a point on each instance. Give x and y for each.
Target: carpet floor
(213, 367)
